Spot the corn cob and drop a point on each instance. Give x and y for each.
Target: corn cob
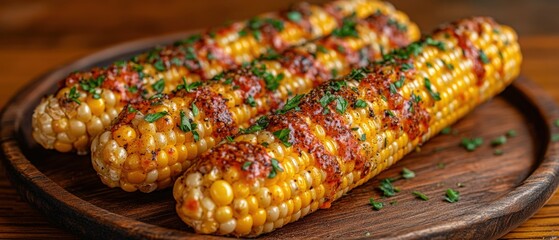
(346, 132)
(87, 102)
(139, 152)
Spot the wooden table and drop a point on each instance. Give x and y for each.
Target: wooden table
(36, 36)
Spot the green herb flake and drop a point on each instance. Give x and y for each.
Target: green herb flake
(500, 140)
(152, 117)
(275, 168)
(195, 110)
(159, 66)
(229, 139)
(360, 103)
(292, 103)
(341, 105)
(322, 49)
(556, 123)
(387, 188)
(363, 137)
(471, 144)
(294, 16)
(484, 59)
(250, 101)
(498, 152)
(376, 205)
(246, 166)
(452, 195)
(348, 28)
(446, 130)
(400, 82)
(429, 65)
(420, 195)
(283, 136)
(159, 86)
(407, 174)
(131, 109)
(74, 95)
(555, 137)
(429, 87)
(511, 133)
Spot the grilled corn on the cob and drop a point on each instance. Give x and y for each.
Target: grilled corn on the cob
(154, 141)
(346, 132)
(87, 102)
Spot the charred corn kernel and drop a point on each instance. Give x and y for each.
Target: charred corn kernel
(91, 94)
(214, 111)
(323, 148)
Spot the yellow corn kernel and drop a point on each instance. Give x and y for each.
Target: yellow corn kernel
(221, 192)
(124, 135)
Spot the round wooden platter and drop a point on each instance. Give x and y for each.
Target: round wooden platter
(497, 192)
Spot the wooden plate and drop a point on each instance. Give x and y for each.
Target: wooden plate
(498, 193)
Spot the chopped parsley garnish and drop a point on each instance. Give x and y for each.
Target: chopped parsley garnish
(74, 95)
(398, 25)
(257, 35)
(406, 66)
(484, 59)
(188, 86)
(341, 105)
(294, 16)
(283, 136)
(407, 174)
(555, 137)
(270, 54)
(446, 130)
(420, 195)
(431, 42)
(337, 85)
(556, 123)
(471, 144)
(400, 82)
(429, 87)
(229, 139)
(448, 65)
(131, 109)
(334, 72)
(429, 65)
(159, 86)
(360, 103)
(393, 89)
(187, 126)
(358, 73)
(275, 169)
(189, 40)
(376, 205)
(120, 63)
(322, 49)
(452, 195)
(389, 113)
(388, 190)
(195, 110)
(292, 103)
(133, 89)
(415, 98)
(500, 140)
(159, 66)
(91, 86)
(250, 101)
(246, 165)
(152, 117)
(511, 133)
(498, 152)
(363, 137)
(326, 99)
(347, 29)
(260, 124)
(176, 61)
(242, 33)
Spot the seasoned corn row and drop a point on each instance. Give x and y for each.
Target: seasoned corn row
(346, 132)
(156, 140)
(87, 102)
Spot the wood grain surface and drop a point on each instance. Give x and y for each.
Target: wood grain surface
(39, 35)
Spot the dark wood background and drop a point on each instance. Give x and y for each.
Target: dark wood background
(36, 36)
